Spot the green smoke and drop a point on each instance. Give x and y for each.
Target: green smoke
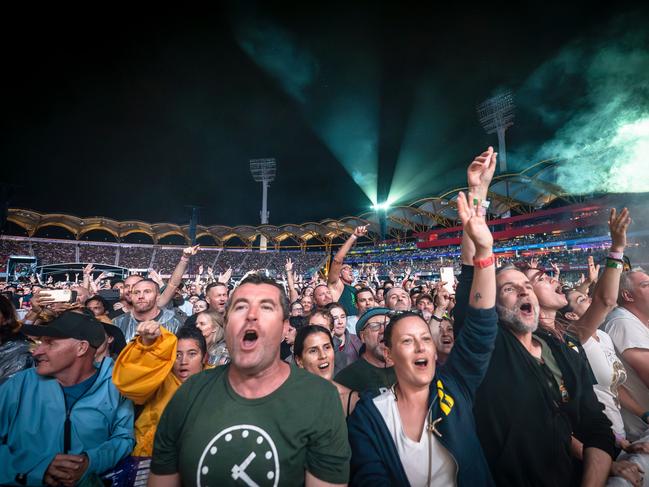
(596, 96)
(341, 107)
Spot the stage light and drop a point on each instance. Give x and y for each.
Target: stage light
(381, 206)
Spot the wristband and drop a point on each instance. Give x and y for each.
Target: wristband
(484, 263)
(437, 318)
(616, 255)
(614, 264)
(645, 417)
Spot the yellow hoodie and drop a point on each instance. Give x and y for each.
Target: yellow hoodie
(143, 374)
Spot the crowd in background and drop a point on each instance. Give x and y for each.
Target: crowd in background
(286, 368)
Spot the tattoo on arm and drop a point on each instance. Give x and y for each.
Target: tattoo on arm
(477, 296)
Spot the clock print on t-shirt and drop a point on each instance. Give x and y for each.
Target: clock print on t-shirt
(243, 454)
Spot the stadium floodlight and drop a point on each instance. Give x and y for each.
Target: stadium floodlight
(496, 114)
(263, 171)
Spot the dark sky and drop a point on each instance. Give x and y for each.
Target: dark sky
(133, 114)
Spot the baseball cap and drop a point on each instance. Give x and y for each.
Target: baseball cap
(70, 325)
(370, 313)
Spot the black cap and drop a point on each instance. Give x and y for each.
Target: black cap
(70, 325)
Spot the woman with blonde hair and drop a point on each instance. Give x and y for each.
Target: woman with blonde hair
(211, 325)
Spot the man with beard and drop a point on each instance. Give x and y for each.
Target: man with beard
(340, 277)
(144, 298)
(322, 296)
(370, 371)
(537, 393)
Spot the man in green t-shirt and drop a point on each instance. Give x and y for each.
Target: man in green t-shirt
(370, 371)
(256, 421)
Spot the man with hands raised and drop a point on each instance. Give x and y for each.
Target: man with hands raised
(537, 392)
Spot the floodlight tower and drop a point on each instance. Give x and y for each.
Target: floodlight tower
(496, 114)
(263, 171)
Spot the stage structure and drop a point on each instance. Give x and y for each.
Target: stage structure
(263, 171)
(58, 271)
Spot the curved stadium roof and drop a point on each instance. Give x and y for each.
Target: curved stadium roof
(521, 192)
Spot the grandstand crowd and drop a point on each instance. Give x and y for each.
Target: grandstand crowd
(216, 367)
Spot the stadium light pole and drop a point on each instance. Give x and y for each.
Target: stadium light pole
(263, 171)
(496, 115)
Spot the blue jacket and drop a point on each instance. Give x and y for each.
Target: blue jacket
(32, 418)
(375, 460)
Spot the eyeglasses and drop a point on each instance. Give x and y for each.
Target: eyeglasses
(374, 326)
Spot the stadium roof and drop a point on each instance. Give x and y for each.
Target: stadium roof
(521, 192)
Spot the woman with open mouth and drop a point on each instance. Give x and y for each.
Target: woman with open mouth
(314, 351)
(422, 431)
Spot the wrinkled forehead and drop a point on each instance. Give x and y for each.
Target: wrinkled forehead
(512, 276)
(396, 290)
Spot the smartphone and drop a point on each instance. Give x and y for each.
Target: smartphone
(109, 294)
(61, 295)
(448, 276)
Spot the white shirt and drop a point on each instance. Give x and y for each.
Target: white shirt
(415, 456)
(610, 374)
(627, 331)
(351, 324)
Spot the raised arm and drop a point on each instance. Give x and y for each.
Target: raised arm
(292, 293)
(483, 287)
(177, 276)
(333, 278)
(605, 294)
(479, 175)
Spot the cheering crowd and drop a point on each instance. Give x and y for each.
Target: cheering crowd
(507, 376)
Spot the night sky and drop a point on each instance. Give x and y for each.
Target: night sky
(134, 114)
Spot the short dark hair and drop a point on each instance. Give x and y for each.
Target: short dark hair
(423, 296)
(97, 297)
(148, 280)
(364, 290)
(303, 333)
(187, 332)
(258, 279)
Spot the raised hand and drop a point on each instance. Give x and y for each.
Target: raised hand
(618, 225)
(225, 277)
(481, 171)
(593, 270)
(149, 332)
(474, 223)
(534, 263)
(360, 231)
(555, 268)
(189, 251)
(200, 270)
(88, 270)
(153, 275)
(289, 265)
(210, 271)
